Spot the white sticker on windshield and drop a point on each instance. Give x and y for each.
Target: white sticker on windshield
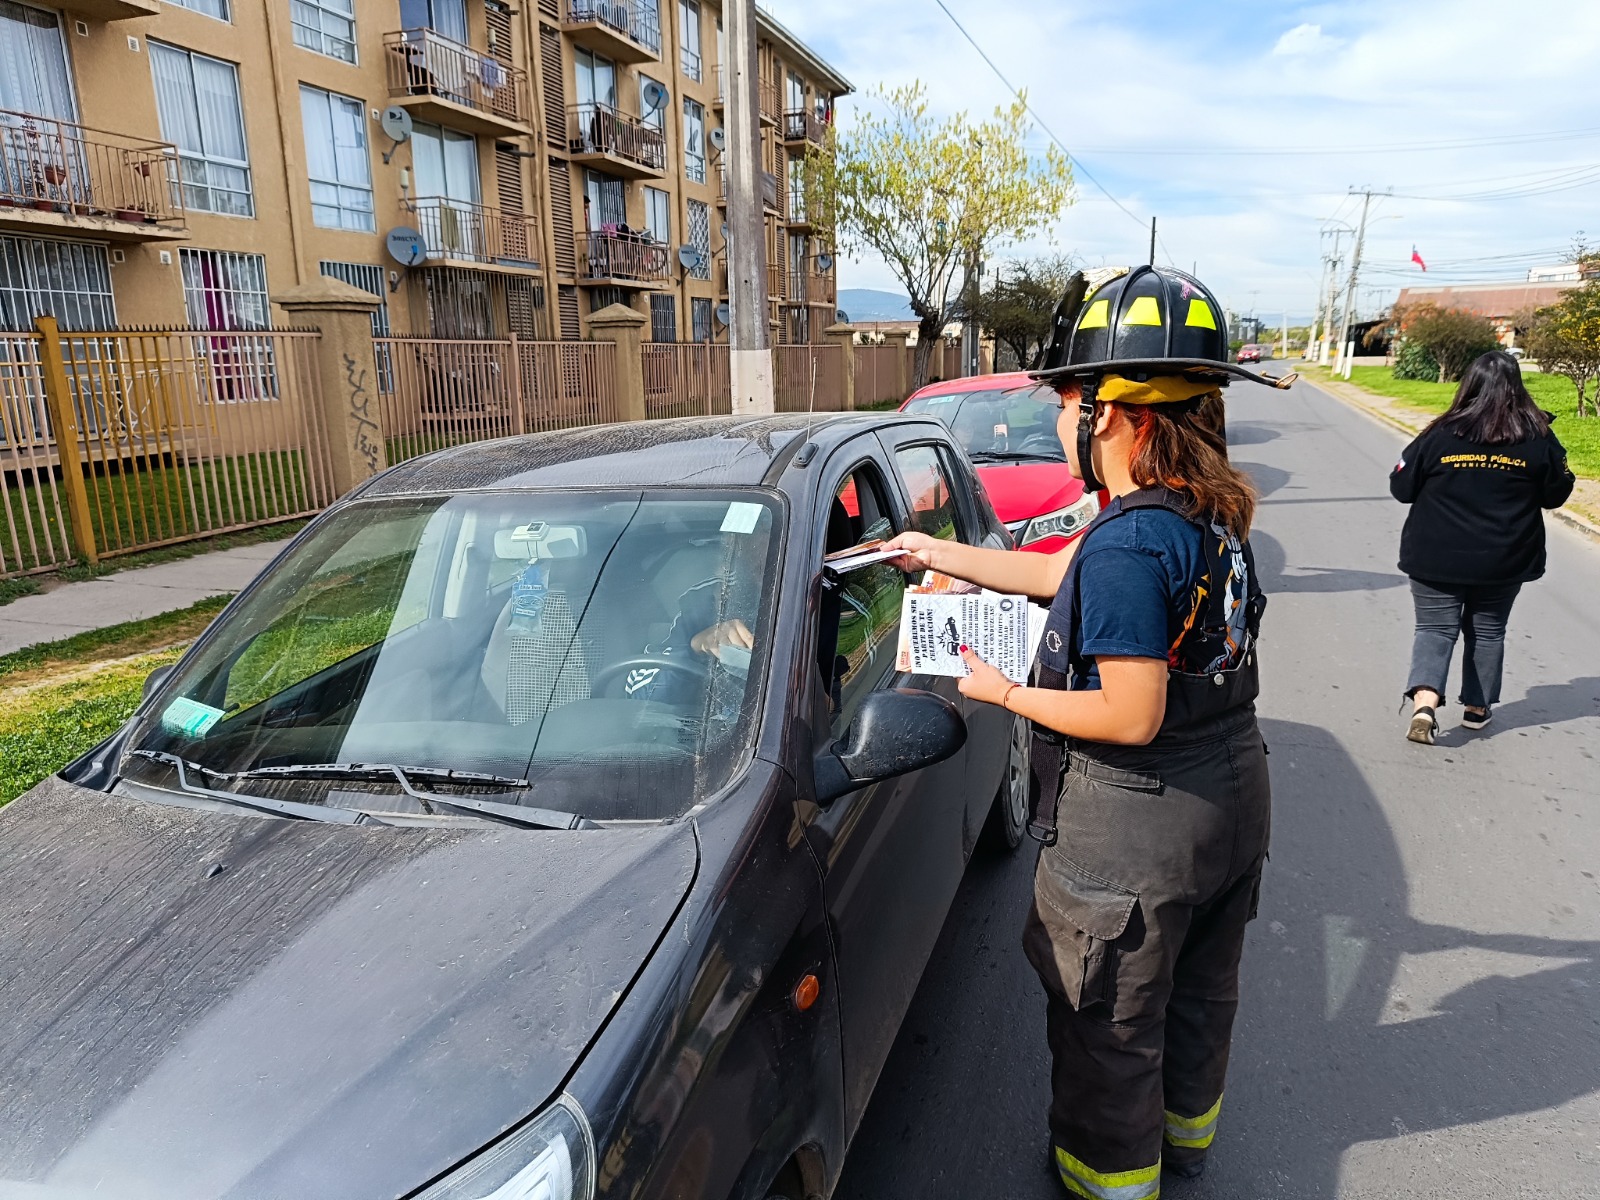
(742, 517)
(943, 399)
(189, 717)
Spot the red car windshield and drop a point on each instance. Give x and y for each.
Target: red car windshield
(1016, 424)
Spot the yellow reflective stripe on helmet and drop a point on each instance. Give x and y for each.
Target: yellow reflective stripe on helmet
(1193, 1133)
(1143, 311)
(1200, 315)
(1083, 1180)
(1096, 315)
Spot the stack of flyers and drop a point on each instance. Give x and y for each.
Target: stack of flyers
(1002, 630)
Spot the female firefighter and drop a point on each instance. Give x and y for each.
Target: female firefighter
(1152, 796)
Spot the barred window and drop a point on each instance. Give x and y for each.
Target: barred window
(325, 26)
(225, 290)
(700, 318)
(41, 277)
(700, 237)
(663, 318)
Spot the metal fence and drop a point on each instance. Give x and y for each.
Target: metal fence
(808, 378)
(686, 380)
(35, 528)
(882, 374)
(443, 393)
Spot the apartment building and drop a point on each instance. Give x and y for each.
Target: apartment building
(486, 169)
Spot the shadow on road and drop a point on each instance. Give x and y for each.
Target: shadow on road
(1272, 562)
(1267, 479)
(1335, 1045)
(1545, 704)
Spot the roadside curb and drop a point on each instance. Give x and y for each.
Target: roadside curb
(1577, 521)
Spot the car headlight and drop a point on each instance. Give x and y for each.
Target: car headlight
(1064, 522)
(549, 1158)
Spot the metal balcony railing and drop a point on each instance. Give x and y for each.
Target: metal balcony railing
(424, 63)
(458, 231)
(605, 254)
(601, 129)
(803, 125)
(628, 18)
(57, 166)
(771, 106)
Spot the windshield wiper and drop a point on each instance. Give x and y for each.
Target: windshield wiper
(261, 804)
(512, 814)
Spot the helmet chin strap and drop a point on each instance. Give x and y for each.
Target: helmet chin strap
(1091, 482)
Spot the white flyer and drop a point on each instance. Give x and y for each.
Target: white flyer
(998, 628)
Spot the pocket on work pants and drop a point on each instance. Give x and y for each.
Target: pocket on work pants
(1076, 931)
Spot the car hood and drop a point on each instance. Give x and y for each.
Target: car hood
(207, 1005)
(1022, 490)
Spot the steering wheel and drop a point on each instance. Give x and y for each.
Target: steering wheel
(694, 667)
(1039, 441)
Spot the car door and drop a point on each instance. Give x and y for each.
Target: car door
(891, 852)
(944, 503)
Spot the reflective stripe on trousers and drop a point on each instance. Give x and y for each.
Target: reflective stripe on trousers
(1083, 1180)
(1193, 1133)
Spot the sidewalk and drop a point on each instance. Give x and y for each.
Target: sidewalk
(129, 595)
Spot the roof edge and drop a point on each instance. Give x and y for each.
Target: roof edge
(769, 24)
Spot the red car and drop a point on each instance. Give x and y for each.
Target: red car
(1008, 425)
(1250, 353)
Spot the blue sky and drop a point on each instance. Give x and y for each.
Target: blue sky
(1473, 112)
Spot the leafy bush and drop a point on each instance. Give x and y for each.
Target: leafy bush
(1453, 336)
(1412, 361)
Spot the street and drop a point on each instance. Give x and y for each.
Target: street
(1420, 1009)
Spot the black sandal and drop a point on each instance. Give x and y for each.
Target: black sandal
(1424, 726)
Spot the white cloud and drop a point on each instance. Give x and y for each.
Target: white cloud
(1302, 39)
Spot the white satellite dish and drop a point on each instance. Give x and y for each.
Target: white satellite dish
(824, 261)
(718, 138)
(723, 313)
(396, 122)
(690, 257)
(406, 246)
(724, 231)
(654, 95)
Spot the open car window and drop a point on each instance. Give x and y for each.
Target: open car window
(600, 645)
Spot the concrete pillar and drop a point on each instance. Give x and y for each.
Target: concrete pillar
(624, 326)
(347, 371)
(904, 372)
(844, 337)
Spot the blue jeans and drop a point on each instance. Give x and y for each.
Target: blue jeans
(1478, 613)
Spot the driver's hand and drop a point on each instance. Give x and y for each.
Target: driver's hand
(919, 551)
(723, 633)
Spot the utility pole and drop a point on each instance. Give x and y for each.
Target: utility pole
(1333, 293)
(1346, 353)
(750, 357)
(1283, 335)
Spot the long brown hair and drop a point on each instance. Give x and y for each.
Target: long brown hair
(1185, 447)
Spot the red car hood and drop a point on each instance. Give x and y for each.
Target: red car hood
(1022, 490)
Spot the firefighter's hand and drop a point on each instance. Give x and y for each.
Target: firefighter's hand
(919, 551)
(983, 682)
(725, 633)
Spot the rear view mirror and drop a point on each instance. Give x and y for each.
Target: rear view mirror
(895, 732)
(539, 540)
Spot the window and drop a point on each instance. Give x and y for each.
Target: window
(860, 629)
(656, 118)
(658, 214)
(212, 8)
(33, 68)
(596, 78)
(797, 188)
(663, 318)
(337, 163)
(797, 266)
(700, 237)
(224, 290)
(604, 297)
(198, 102)
(700, 319)
(694, 140)
(445, 163)
(795, 94)
(326, 26)
(689, 38)
(933, 500)
(70, 281)
(445, 17)
(604, 202)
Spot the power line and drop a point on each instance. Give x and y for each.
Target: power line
(1505, 139)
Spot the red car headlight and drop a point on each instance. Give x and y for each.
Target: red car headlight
(1064, 522)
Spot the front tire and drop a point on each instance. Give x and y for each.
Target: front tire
(1008, 818)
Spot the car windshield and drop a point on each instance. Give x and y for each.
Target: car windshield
(600, 646)
(1000, 424)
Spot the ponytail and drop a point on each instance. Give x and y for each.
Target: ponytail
(1184, 447)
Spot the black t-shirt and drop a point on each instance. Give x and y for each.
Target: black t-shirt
(1475, 515)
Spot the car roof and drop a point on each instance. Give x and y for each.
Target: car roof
(698, 451)
(975, 383)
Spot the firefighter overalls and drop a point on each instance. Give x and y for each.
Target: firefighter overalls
(1145, 886)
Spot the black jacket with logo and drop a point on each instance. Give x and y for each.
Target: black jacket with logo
(1475, 515)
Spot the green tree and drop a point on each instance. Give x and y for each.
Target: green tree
(1452, 336)
(1018, 306)
(930, 197)
(1565, 340)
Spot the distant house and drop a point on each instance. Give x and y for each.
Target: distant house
(1501, 302)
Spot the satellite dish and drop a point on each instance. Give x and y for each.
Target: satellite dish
(718, 138)
(406, 246)
(824, 261)
(654, 95)
(723, 315)
(724, 231)
(396, 122)
(690, 257)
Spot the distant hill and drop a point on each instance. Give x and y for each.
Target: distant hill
(864, 304)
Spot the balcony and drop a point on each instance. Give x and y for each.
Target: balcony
(115, 10)
(459, 234)
(612, 258)
(624, 30)
(770, 107)
(57, 177)
(798, 218)
(803, 127)
(445, 82)
(602, 136)
(813, 286)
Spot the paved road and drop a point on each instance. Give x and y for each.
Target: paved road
(1421, 993)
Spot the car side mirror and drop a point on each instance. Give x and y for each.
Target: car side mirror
(893, 733)
(154, 680)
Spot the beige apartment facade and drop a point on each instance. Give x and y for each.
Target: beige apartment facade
(178, 164)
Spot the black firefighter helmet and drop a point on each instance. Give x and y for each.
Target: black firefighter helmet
(1141, 323)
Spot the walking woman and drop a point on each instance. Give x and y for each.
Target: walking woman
(1476, 480)
(1153, 800)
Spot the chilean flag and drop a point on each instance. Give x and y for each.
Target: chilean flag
(1417, 258)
